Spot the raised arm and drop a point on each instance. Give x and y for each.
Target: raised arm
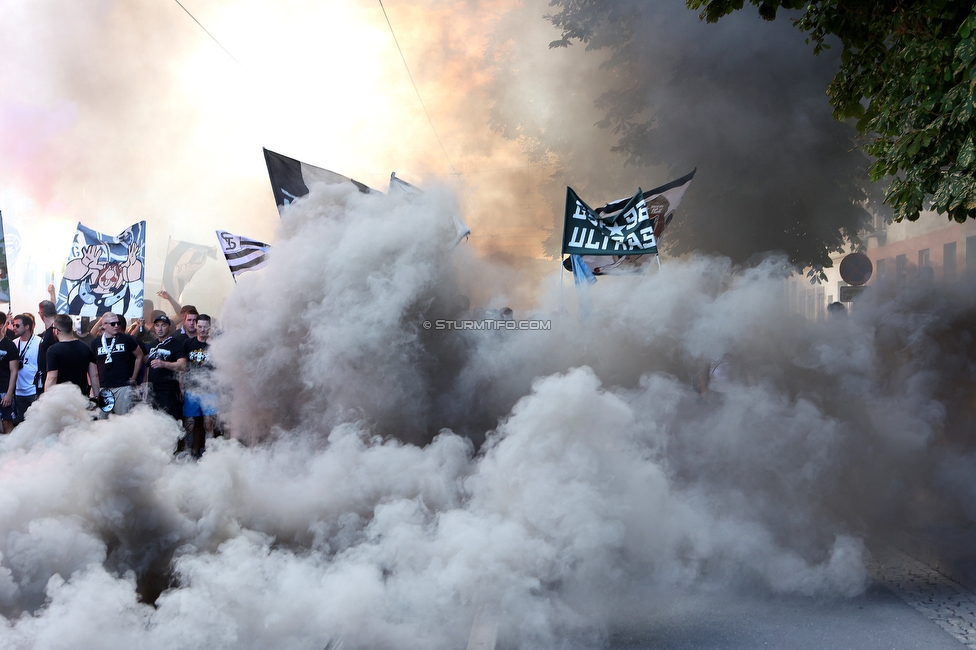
(165, 296)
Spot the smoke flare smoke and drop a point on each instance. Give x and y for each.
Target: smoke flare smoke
(593, 469)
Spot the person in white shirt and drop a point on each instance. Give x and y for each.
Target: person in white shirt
(28, 377)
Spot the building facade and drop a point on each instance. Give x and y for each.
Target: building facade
(899, 252)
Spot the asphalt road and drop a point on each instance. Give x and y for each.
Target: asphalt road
(908, 605)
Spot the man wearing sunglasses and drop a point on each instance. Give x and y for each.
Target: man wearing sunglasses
(9, 367)
(28, 378)
(119, 360)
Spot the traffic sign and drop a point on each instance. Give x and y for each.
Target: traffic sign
(856, 269)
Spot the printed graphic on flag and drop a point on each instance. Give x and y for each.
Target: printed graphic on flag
(183, 260)
(661, 203)
(105, 273)
(242, 254)
(291, 179)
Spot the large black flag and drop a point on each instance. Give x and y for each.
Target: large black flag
(624, 227)
(290, 178)
(630, 232)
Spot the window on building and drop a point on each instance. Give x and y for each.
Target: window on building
(901, 269)
(949, 262)
(923, 258)
(971, 255)
(880, 268)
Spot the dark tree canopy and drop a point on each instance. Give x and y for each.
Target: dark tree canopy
(743, 101)
(907, 75)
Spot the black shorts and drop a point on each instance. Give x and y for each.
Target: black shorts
(169, 402)
(8, 413)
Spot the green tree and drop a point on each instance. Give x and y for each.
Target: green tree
(907, 76)
(743, 101)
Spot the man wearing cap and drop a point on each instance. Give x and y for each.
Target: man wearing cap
(166, 359)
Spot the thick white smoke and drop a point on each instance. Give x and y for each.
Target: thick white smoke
(356, 512)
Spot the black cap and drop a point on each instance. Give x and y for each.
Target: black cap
(164, 318)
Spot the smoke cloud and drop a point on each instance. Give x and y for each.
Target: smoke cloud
(743, 100)
(388, 483)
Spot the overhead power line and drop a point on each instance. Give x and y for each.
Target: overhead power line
(415, 89)
(208, 33)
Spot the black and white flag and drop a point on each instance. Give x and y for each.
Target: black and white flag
(291, 179)
(661, 203)
(104, 273)
(242, 254)
(626, 227)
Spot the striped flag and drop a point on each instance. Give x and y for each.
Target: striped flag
(242, 254)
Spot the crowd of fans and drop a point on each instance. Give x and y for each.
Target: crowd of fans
(166, 365)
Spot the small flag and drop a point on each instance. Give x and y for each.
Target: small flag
(104, 273)
(4, 279)
(242, 254)
(581, 272)
(403, 188)
(291, 179)
(183, 260)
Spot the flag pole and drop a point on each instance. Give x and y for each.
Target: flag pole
(562, 302)
(658, 256)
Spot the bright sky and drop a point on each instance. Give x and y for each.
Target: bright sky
(112, 112)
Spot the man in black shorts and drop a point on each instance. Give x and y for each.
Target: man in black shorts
(166, 358)
(70, 360)
(9, 365)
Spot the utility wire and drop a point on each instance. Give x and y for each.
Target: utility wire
(208, 33)
(415, 89)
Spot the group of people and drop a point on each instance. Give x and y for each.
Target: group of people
(167, 366)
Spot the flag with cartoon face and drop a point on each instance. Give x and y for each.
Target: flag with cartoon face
(105, 273)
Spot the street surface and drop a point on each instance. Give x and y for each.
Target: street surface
(909, 605)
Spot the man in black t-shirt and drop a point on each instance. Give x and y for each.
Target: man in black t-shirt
(47, 311)
(9, 365)
(166, 358)
(188, 329)
(119, 358)
(70, 360)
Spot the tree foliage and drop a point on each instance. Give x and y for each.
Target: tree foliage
(907, 75)
(743, 101)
